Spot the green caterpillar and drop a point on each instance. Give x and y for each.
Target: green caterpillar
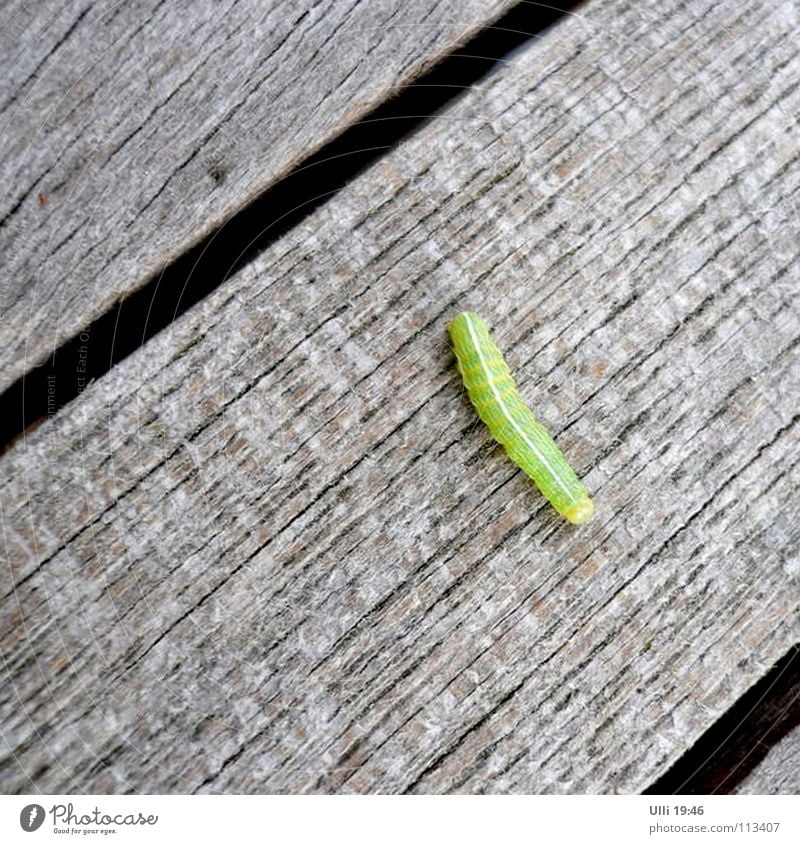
(493, 392)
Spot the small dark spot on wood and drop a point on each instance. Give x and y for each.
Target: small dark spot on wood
(42, 199)
(217, 173)
(675, 477)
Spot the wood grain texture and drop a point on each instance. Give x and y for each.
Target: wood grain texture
(274, 551)
(144, 126)
(738, 742)
(779, 773)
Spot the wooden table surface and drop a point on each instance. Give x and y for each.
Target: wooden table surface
(273, 550)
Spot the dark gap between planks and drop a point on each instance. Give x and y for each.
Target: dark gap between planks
(732, 747)
(204, 267)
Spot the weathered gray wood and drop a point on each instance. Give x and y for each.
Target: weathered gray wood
(145, 125)
(274, 551)
(779, 773)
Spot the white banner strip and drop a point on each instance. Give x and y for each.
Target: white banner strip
(387, 819)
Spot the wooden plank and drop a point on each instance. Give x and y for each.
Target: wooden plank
(779, 773)
(736, 744)
(273, 551)
(130, 131)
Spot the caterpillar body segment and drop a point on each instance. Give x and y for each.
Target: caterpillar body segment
(494, 394)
